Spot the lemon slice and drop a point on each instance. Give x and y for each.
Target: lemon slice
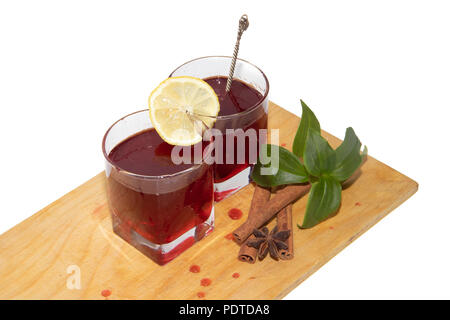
(181, 108)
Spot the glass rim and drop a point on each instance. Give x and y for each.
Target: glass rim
(253, 107)
(143, 176)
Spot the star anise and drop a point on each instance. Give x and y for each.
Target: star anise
(272, 242)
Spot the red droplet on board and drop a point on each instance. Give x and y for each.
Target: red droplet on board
(205, 282)
(283, 144)
(106, 293)
(200, 294)
(235, 213)
(358, 204)
(236, 275)
(194, 268)
(229, 236)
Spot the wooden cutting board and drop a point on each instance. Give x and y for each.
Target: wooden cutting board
(73, 237)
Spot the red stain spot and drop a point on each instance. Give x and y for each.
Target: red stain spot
(235, 213)
(218, 196)
(205, 282)
(236, 275)
(331, 228)
(229, 236)
(358, 204)
(194, 268)
(283, 144)
(98, 209)
(200, 294)
(106, 293)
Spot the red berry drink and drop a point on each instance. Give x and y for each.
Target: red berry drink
(244, 107)
(240, 98)
(157, 206)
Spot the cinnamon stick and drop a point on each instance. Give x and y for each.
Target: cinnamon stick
(284, 222)
(281, 199)
(260, 198)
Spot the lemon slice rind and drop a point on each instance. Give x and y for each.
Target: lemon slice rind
(180, 107)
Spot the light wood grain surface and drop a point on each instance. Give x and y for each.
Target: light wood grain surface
(75, 230)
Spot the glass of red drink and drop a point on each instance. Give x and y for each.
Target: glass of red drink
(244, 107)
(157, 206)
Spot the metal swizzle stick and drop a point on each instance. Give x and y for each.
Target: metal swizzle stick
(243, 25)
(199, 123)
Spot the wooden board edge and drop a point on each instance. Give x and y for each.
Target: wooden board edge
(412, 189)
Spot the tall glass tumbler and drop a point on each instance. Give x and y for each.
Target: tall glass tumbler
(160, 215)
(234, 172)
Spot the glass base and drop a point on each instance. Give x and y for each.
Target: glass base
(164, 253)
(230, 186)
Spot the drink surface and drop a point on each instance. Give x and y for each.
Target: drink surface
(241, 96)
(159, 216)
(145, 153)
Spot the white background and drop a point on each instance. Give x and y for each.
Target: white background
(68, 69)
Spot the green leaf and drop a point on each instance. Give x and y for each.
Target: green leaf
(278, 166)
(323, 200)
(348, 156)
(319, 157)
(309, 121)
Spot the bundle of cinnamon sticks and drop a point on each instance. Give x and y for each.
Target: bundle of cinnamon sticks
(264, 206)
